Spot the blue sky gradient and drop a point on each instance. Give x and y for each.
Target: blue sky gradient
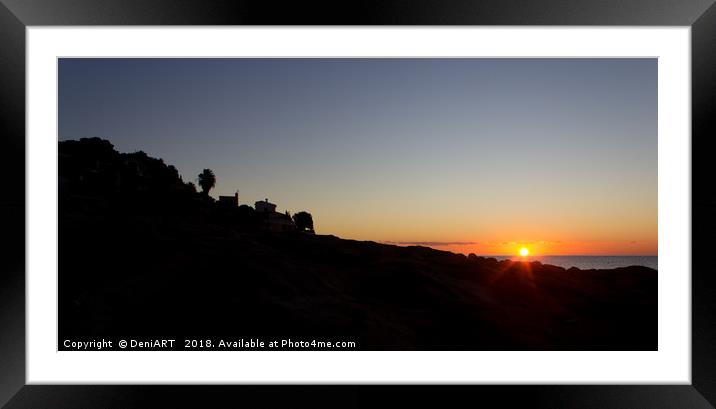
(421, 150)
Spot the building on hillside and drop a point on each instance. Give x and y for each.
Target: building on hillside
(274, 221)
(230, 200)
(265, 206)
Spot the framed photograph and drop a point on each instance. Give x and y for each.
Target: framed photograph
(231, 197)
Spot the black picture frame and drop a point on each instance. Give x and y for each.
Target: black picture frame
(16, 15)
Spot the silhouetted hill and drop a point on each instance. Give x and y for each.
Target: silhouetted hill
(148, 256)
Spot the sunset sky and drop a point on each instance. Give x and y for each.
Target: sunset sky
(466, 155)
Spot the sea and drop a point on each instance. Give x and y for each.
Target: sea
(590, 262)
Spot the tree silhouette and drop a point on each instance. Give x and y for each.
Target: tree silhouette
(207, 180)
(304, 221)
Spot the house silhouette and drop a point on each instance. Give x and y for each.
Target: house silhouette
(273, 220)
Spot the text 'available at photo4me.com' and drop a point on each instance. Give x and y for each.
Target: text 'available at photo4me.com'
(206, 344)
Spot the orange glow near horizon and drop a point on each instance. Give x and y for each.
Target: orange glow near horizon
(491, 227)
(541, 248)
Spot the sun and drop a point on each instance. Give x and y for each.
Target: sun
(524, 252)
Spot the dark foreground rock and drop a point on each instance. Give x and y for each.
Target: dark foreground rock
(140, 278)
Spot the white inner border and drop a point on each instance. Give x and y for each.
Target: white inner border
(670, 364)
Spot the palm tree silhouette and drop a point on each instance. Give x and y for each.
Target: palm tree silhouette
(207, 180)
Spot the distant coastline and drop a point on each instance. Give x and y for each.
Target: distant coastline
(580, 261)
(591, 262)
